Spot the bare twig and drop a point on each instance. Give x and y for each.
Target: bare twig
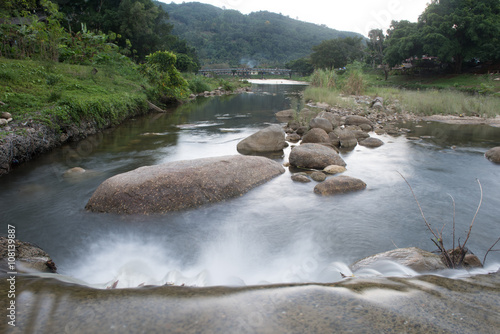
(454, 215)
(491, 250)
(477, 211)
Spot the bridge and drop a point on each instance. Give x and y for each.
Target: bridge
(246, 72)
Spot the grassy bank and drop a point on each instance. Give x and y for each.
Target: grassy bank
(332, 88)
(57, 94)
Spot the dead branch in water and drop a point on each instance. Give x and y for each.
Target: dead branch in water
(491, 250)
(455, 257)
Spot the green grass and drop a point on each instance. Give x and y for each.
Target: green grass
(58, 94)
(425, 102)
(469, 83)
(200, 84)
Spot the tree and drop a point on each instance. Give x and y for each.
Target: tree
(376, 49)
(337, 52)
(302, 66)
(458, 30)
(402, 42)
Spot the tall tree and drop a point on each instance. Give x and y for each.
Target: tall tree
(403, 41)
(458, 30)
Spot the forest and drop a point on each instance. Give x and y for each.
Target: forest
(229, 38)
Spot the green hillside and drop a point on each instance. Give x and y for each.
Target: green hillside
(257, 39)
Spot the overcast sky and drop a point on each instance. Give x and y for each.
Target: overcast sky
(351, 15)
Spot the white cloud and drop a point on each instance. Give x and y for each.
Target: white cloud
(350, 15)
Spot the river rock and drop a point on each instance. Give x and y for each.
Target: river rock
(333, 118)
(29, 257)
(285, 115)
(315, 156)
(318, 176)
(5, 115)
(321, 123)
(339, 185)
(270, 139)
(346, 138)
(75, 171)
(3, 121)
(182, 184)
(371, 142)
(357, 120)
(413, 257)
(293, 137)
(333, 169)
(493, 155)
(300, 177)
(316, 135)
(365, 127)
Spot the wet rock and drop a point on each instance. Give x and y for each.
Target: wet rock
(270, 139)
(333, 169)
(315, 156)
(318, 176)
(371, 142)
(182, 184)
(29, 257)
(357, 120)
(365, 127)
(74, 172)
(301, 177)
(339, 185)
(333, 118)
(413, 257)
(493, 155)
(316, 135)
(285, 115)
(293, 137)
(321, 123)
(347, 138)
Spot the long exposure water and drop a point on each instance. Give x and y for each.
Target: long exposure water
(280, 232)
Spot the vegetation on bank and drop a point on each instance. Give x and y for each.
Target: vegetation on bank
(60, 95)
(478, 97)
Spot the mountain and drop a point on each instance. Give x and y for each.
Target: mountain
(223, 36)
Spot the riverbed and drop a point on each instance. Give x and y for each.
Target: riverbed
(270, 247)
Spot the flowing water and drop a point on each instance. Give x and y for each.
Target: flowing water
(279, 233)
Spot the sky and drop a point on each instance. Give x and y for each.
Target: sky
(349, 15)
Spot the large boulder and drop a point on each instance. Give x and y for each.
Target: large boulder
(28, 257)
(315, 156)
(321, 123)
(339, 185)
(413, 257)
(334, 119)
(270, 139)
(316, 135)
(182, 184)
(493, 155)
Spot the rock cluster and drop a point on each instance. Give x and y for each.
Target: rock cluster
(5, 118)
(29, 257)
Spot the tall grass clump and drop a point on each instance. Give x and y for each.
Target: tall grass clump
(324, 79)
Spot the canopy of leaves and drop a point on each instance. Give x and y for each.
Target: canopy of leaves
(232, 38)
(453, 30)
(337, 52)
(141, 24)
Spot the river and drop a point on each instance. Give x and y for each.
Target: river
(241, 263)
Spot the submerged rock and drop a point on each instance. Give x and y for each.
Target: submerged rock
(371, 142)
(270, 139)
(29, 257)
(412, 257)
(301, 177)
(493, 155)
(315, 156)
(182, 184)
(339, 185)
